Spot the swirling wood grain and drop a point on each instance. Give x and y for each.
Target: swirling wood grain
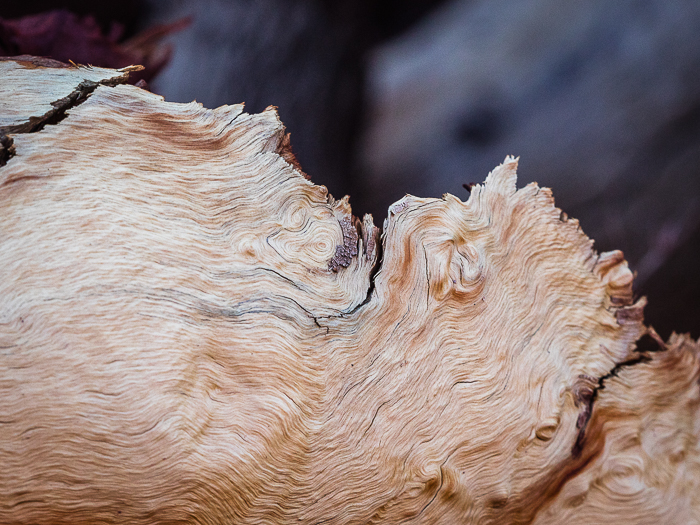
(191, 331)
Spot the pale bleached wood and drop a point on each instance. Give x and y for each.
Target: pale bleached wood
(192, 331)
(38, 97)
(645, 426)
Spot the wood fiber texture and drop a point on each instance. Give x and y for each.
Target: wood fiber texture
(192, 331)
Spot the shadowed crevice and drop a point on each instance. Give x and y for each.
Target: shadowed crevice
(586, 397)
(7, 149)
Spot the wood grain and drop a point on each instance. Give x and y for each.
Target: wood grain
(192, 331)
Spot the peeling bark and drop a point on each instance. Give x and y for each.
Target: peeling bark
(193, 331)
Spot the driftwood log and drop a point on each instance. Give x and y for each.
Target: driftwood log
(192, 331)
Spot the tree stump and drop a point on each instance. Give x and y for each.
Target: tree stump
(192, 331)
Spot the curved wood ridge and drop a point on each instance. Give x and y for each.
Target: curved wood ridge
(192, 331)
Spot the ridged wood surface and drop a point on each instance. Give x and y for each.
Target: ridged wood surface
(192, 331)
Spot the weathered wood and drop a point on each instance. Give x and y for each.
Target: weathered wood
(190, 330)
(47, 95)
(647, 467)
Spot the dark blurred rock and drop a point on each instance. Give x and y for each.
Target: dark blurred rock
(674, 289)
(66, 36)
(127, 13)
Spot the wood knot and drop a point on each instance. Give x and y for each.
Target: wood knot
(453, 268)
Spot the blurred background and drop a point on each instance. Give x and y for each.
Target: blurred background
(600, 99)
